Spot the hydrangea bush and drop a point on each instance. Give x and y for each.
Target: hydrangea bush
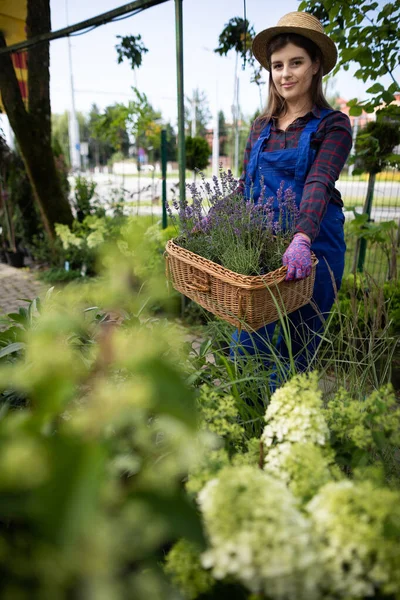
(294, 414)
(257, 534)
(357, 536)
(300, 527)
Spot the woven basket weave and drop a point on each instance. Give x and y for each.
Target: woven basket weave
(248, 302)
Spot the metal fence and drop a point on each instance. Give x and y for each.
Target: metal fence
(385, 207)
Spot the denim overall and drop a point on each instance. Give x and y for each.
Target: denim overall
(292, 167)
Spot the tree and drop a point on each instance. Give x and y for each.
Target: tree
(124, 125)
(32, 128)
(110, 127)
(367, 34)
(131, 48)
(100, 147)
(197, 153)
(197, 107)
(143, 122)
(238, 35)
(60, 133)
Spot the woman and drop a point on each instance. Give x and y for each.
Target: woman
(301, 141)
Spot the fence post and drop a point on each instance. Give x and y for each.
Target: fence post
(367, 210)
(181, 103)
(164, 177)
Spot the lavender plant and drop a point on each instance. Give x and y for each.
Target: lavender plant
(246, 236)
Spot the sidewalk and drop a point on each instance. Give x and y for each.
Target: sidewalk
(16, 284)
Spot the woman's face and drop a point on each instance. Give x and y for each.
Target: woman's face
(292, 71)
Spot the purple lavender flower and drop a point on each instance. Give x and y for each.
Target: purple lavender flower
(217, 189)
(235, 222)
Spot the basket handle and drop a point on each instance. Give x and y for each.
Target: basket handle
(167, 271)
(198, 287)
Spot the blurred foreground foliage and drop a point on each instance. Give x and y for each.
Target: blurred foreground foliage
(93, 455)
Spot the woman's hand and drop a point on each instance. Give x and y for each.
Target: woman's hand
(297, 257)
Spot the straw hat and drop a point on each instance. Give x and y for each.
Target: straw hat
(303, 24)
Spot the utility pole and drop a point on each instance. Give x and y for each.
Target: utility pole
(164, 177)
(237, 116)
(354, 135)
(73, 125)
(215, 145)
(194, 115)
(180, 94)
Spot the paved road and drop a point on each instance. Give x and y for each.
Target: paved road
(16, 284)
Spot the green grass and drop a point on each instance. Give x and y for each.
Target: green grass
(387, 176)
(379, 202)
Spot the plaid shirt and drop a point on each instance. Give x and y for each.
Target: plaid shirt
(332, 141)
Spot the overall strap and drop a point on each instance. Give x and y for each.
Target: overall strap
(255, 151)
(306, 154)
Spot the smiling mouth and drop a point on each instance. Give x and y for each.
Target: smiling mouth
(288, 85)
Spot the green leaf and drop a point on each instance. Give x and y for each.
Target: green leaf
(380, 439)
(171, 396)
(393, 88)
(11, 348)
(375, 89)
(178, 511)
(368, 7)
(360, 458)
(393, 160)
(17, 317)
(66, 505)
(355, 111)
(334, 11)
(387, 97)
(386, 11)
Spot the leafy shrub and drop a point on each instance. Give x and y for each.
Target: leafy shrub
(301, 527)
(86, 201)
(55, 275)
(82, 241)
(391, 291)
(91, 466)
(197, 153)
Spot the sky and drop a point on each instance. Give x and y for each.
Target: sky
(98, 78)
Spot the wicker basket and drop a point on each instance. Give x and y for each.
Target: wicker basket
(248, 302)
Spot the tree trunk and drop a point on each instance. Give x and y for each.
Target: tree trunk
(33, 129)
(41, 169)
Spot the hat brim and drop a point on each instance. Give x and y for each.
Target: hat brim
(324, 43)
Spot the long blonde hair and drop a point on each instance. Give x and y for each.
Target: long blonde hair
(276, 105)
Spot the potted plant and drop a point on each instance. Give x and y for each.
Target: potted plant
(229, 259)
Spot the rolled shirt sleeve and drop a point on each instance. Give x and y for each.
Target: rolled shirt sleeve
(334, 140)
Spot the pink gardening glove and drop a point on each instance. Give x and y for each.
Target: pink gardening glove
(297, 258)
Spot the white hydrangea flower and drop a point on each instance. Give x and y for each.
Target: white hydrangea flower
(304, 467)
(294, 414)
(258, 535)
(355, 529)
